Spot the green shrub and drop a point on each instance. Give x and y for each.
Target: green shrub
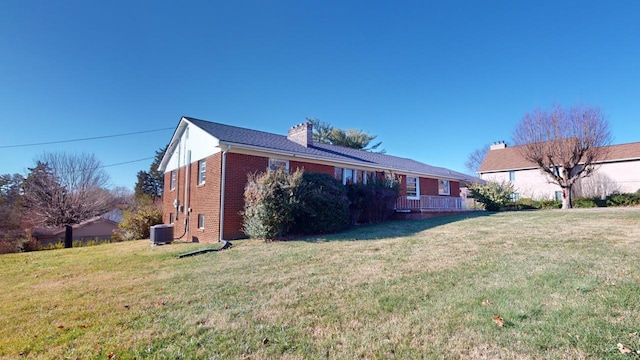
(624, 200)
(585, 203)
(550, 204)
(321, 205)
(136, 223)
(374, 201)
(494, 195)
(270, 203)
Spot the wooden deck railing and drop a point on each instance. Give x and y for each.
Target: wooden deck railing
(427, 203)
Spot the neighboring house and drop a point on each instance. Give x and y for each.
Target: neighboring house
(618, 172)
(97, 227)
(206, 167)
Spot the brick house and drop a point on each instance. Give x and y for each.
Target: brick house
(206, 165)
(618, 172)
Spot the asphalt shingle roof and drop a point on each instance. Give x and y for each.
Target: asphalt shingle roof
(270, 141)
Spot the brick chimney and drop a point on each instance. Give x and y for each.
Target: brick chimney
(302, 134)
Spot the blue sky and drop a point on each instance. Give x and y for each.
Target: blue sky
(433, 79)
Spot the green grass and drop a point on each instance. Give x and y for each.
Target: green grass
(567, 285)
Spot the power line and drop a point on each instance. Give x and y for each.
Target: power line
(127, 162)
(84, 139)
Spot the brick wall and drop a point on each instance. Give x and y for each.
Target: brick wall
(428, 186)
(203, 199)
(238, 167)
(314, 168)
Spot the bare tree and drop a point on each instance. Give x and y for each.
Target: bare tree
(565, 144)
(475, 159)
(65, 189)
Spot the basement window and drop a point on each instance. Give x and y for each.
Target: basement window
(200, 221)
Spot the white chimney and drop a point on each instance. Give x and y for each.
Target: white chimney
(498, 145)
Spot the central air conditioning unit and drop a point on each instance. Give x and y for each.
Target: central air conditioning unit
(161, 234)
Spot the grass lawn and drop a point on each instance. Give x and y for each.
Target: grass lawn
(565, 284)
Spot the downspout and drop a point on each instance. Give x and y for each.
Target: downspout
(222, 188)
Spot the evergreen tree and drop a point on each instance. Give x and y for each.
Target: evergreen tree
(150, 183)
(325, 133)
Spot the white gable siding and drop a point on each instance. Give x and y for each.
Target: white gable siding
(196, 140)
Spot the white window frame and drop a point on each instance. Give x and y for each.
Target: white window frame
(417, 182)
(172, 181)
(202, 171)
(275, 164)
(444, 187)
(512, 175)
(352, 176)
(200, 221)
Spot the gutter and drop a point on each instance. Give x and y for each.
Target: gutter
(222, 190)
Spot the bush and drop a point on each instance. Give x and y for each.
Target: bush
(372, 202)
(270, 203)
(136, 223)
(589, 202)
(624, 200)
(494, 195)
(321, 205)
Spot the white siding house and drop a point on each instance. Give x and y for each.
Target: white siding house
(619, 172)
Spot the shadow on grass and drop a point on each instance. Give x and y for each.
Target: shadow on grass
(391, 229)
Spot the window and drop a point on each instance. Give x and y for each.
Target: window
(558, 195)
(173, 180)
(514, 197)
(172, 218)
(443, 187)
(359, 176)
(348, 176)
(200, 221)
(512, 175)
(369, 176)
(275, 164)
(202, 171)
(338, 174)
(413, 188)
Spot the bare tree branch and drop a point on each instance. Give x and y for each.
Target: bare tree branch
(565, 144)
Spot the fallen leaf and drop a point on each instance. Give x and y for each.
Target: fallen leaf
(486, 302)
(265, 341)
(111, 355)
(96, 347)
(126, 306)
(498, 320)
(623, 349)
(85, 326)
(60, 326)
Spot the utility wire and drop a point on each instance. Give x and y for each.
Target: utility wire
(127, 162)
(84, 139)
